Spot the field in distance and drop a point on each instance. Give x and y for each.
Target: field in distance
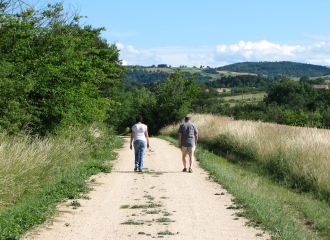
(215, 76)
(249, 97)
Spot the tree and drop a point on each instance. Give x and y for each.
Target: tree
(56, 69)
(288, 92)
(173, 98)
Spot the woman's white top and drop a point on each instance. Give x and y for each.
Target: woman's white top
(139, 132)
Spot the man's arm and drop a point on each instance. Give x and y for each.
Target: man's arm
(196, 139)
(180, 136)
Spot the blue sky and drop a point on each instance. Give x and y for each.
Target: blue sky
(213, 33)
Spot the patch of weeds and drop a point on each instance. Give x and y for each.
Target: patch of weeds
(153, 212)
(151, 205)
(132, 222)
(149, 197)
(164, 198)
(167, 232)
(124, 206)
(154, 205)
(86, 197)
(252, 224)
(167, 214)
(222, 193)
(259, 235)
(234, 207)
(241, 214)
(75, 204)
(67, 224)
(141, 233)
(152, 187)
(236, 218)
(164, 220)
(93, 180)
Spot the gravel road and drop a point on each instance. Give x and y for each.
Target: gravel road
(162, 200)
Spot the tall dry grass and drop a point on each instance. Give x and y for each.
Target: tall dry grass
(28, 162)
(297, 155)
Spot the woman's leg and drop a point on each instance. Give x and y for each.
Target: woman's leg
(143, 145)
(136, 150)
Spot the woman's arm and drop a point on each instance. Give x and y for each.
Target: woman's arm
(147, 137)
(132, 137)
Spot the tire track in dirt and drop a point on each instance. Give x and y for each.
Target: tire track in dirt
(162, 200)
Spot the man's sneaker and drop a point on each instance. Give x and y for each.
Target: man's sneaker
(184, 170)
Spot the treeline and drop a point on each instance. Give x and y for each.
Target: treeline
(240, 81)
(53, 70)
(160, 104)
(144, 76)
(55, 74)
(286, 102)
(273, 69)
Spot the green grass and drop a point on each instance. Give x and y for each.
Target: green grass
(132, 222)
(153, 212)
(285, 213)
(145, 206)
(167, 232)
(163, 220)
(124, 206)
(258, 96)
(38, 206)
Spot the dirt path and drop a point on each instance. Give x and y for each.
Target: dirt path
(189, 204)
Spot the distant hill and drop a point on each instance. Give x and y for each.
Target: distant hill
(274, 69)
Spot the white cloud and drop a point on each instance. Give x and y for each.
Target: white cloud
(257, 51)
(220, 55)
(134, 56)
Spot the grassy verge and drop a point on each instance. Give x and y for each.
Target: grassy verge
(298, 157)
(284, 212)
(67, 180)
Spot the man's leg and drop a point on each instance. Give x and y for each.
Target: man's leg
(191, 158)
(184, 155)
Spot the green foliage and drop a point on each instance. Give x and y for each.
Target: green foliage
(278, 68)
(287, 92)
(53, 70)
(240, 81)
(173, 98)
(144, 76)
(69, 183)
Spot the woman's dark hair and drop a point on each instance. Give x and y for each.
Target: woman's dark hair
(138, 119)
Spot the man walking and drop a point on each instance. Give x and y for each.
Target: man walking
(188, 136)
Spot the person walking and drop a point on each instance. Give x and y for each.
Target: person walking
(188, 137)
(141, 141)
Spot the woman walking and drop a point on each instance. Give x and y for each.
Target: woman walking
(141, 141)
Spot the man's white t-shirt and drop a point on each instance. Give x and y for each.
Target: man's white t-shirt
(139, 132)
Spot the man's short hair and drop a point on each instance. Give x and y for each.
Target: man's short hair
(187, 119)
(138, 119)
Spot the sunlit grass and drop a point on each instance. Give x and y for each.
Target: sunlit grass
(29, 162)
(297, 156)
